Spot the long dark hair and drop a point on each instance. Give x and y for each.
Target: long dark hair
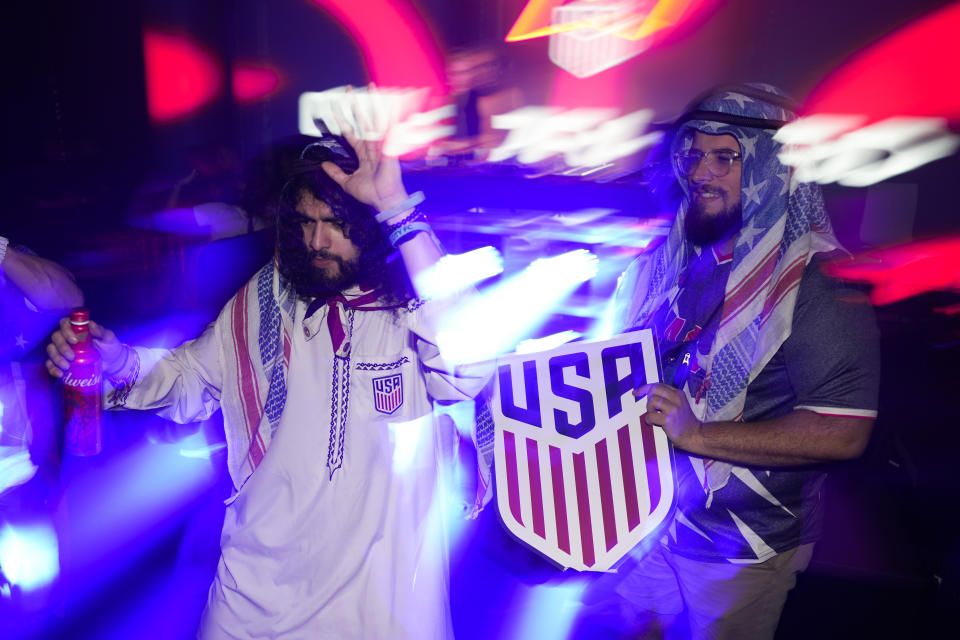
(379, 266)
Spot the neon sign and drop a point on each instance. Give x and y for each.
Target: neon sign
(590, 36)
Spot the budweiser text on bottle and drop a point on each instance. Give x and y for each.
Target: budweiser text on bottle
(82, 390)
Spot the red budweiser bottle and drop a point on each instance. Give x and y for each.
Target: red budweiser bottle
(82, 390)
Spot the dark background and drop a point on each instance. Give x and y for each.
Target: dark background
(81, 159)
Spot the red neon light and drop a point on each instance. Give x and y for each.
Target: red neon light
(907, 270)
(949, 310)
(397, 46)
(254, 82)
(181, 76)
(912, 72)
(604, 90)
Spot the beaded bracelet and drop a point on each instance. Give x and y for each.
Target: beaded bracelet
(415, 216)
(407, 231)
(409, 203)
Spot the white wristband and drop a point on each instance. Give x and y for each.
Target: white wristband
(4, 243)
(409, 203)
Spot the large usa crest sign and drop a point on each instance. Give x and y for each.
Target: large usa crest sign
(580, 478)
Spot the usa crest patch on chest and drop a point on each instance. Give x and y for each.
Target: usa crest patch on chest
(580, 478)
(388, 393)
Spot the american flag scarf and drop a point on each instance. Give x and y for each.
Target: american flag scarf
(784, 225)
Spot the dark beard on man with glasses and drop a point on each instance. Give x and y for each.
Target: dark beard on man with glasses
(706, 229)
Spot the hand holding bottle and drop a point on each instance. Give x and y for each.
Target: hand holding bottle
(61, 353)
(82, 380)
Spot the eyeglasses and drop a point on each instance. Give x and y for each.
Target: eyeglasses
(719, 161)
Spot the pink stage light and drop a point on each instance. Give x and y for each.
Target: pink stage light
(900, 272)
(398, 47)
(254, 82)
(911, 72)
(181, 76)
(605, 89)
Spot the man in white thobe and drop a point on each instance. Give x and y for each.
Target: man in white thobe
(326, 371)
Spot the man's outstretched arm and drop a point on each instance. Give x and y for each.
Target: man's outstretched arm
(182, 385)
(47, 285)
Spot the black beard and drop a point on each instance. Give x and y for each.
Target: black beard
(310, 281)
(705, 230)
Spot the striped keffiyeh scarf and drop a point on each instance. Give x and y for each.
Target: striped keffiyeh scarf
(784, 224)
(255, 337)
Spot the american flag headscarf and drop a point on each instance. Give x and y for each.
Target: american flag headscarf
(784, 224)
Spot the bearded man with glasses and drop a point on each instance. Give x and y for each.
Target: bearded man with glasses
(770, 371)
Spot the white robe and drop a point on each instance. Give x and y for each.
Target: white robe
(337, 532)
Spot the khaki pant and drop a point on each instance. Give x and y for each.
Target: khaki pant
(722, 600)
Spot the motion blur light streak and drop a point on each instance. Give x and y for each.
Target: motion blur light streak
(536, 19)
(495, 321)
(387, 112)
(29, 555)
(454, 272)
(124, 506)
(591, 40)
(252, 82)
(461, 413)
(16, 467)
(910, 142)
(547, 342)
(406, 438)
(459, 482)
(603, 39)
(380, 109)
(901, 92)
(382, 28)
(817, 128)
(548, 611)
(603, 327)
(909, 73)
(584, 137)
(181, 76)
(949, 310)
(203, 452)
(420, 130)
(826, 148)
(588, 37)
(900, 272)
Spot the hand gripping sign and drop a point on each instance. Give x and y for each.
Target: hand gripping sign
(579, 477)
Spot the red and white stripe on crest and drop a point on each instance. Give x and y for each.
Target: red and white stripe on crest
(388, 393)
(585, 503)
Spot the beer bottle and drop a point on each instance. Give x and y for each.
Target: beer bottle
(82, 391)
